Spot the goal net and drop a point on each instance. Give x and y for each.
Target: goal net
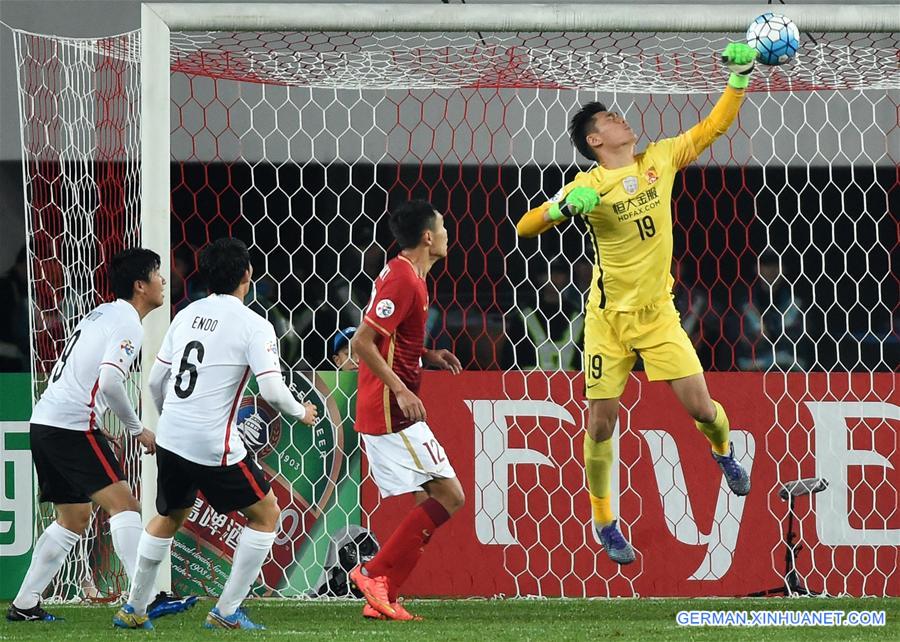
(79, 105)
(299, 142)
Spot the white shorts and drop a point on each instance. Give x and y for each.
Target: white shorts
(402, 462)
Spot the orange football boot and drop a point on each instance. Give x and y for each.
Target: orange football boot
(403, 614)
(375, 590)
(369, 612)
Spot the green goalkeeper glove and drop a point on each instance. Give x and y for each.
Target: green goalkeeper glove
(580, 200)
(740, 59)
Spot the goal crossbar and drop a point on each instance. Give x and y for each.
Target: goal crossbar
(527, 18)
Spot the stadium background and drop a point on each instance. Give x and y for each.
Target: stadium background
(722, 208)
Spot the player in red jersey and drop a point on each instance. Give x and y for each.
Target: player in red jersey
(404, 456)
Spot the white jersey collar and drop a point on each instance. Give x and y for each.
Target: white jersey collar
(230, 298)
(123, 303)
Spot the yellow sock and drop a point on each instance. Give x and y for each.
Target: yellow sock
(717, 430)
(598, 462)
(601, 510)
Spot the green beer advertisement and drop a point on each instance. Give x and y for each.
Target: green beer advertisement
(17, 501)
(315, 474)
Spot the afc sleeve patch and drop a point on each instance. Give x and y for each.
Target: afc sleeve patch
(384, 308)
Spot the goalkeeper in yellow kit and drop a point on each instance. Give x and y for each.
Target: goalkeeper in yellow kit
(626, 202)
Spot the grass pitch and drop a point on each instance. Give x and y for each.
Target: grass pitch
(483, 620)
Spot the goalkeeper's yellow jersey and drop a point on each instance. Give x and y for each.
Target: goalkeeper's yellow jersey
(631, 228)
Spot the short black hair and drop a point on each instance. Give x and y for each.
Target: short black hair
(128, 266)
(581, 125)
(409, 220)
(224, 262)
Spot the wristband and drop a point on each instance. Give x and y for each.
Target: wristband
(556, 213)
(739, 81)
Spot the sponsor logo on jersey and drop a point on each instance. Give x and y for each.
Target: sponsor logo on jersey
(384, 308)
(636, 205)
(630, 184)
(127, 347)
(651, 175)
(272, 346)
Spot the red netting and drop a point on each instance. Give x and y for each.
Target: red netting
(81, 189)
(79, 107)
(651, 62)
(300, 143)
(461, 151)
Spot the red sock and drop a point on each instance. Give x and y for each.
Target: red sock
(406, 564)
(402, 570)
(399, 555)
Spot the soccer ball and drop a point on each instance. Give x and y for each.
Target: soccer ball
(775, 37)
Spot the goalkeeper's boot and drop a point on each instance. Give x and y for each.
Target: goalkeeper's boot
(402, 614)
(735, 474)
(165, 604)
(34, 614)
(615, 544)
(372, 614)
(375, 590)
(126, 618)
(237, 620)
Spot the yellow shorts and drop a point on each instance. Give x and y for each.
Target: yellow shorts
(612, 340)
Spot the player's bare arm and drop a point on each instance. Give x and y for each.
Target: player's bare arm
(363, 345)
(443, 360)
(311, 414)
(147, 439)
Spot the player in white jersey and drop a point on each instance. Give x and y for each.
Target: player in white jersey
(207, 355)
(75, 465)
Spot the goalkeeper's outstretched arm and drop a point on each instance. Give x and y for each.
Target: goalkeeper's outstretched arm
(536, 221)
(740, 60)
